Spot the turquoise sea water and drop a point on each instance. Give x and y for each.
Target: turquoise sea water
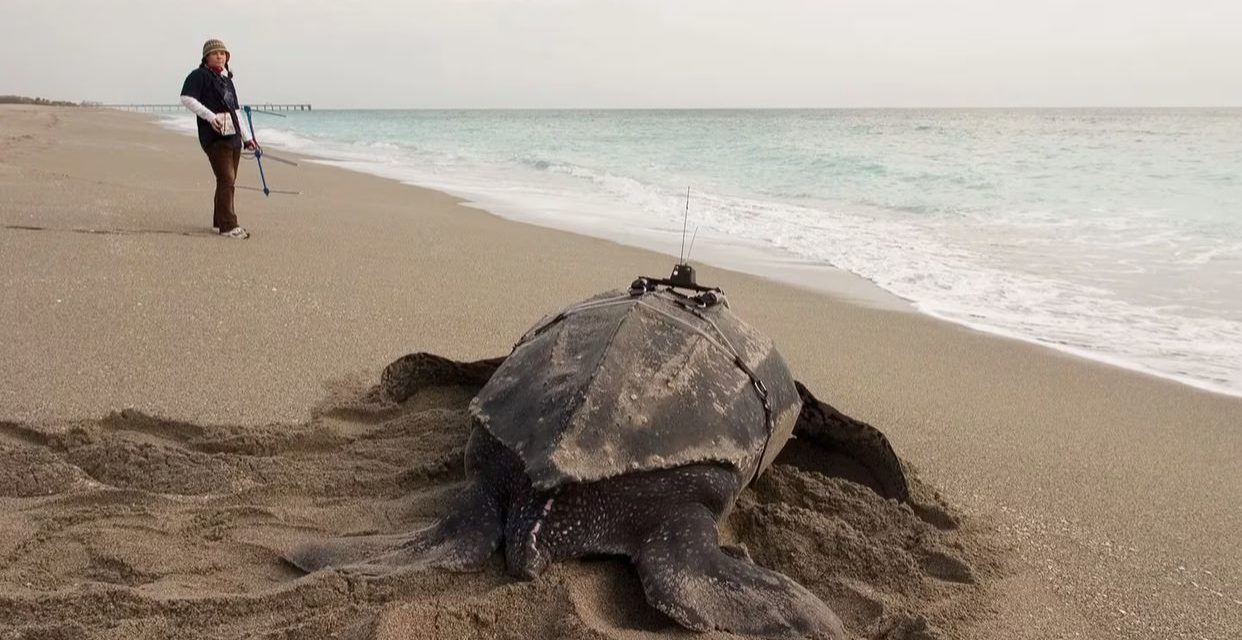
(1113, 234)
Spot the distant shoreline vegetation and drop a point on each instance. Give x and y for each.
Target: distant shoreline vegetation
(44, 102)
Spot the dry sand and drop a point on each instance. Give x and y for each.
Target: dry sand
(179, 408)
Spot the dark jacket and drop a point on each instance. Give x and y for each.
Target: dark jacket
(216, 92)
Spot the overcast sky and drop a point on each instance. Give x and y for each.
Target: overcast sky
(636, 53)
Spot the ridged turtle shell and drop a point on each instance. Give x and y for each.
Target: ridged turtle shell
(622, 383)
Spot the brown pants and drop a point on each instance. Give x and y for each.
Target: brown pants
(224, 159)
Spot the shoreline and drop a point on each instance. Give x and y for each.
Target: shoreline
(726, 253)
(1105, 485)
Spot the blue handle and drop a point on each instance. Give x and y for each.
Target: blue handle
(258, 153)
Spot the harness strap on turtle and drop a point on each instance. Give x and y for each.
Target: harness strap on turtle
(760, 389)
(585, 306)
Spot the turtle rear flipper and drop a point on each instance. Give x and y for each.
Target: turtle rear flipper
(686, 575)
(410, 373)
(461, 541)
(841, 446)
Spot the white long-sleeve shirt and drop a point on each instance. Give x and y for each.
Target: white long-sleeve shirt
(200, 110)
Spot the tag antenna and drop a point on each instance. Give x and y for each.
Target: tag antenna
(681, 257)
(691, 249)
(683, 274)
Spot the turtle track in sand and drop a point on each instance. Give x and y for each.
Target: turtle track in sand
(132, 526)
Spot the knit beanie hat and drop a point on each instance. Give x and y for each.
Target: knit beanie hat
(215, 45)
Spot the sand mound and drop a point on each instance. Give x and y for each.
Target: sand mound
(135, 527)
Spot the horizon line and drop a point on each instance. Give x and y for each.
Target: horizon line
(92, 103)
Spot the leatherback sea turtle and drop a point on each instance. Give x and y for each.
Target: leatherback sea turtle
(628, 424)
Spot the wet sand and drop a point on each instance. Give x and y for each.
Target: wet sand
(180, 408)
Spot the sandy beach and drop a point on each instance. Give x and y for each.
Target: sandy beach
(180, 408)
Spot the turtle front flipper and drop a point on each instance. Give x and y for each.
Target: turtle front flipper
(406, 375)
(461, 541)
(841, 446)
(686, 575)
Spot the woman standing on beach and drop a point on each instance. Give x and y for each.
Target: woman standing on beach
(209, 92)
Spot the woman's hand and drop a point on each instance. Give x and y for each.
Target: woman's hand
(217, 123)
(251, 145)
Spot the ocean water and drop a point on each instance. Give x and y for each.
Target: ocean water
(1112, 234)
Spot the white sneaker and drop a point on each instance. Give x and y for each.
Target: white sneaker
(238, 233)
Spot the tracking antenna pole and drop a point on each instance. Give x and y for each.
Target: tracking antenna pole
(258, 152)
